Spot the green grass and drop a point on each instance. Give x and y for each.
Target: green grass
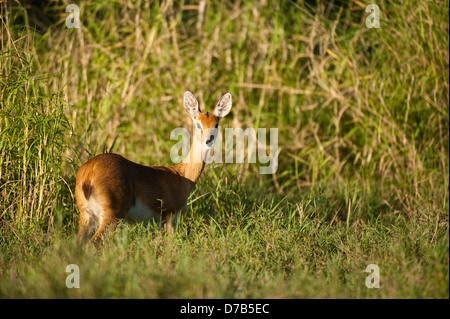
(259, 249)
(363, 128)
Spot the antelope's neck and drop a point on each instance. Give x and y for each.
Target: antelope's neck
(192, 166)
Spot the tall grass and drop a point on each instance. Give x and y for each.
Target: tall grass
(363, 137)
(33, 138)
(353, 103)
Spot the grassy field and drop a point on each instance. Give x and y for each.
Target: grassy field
(363, 167)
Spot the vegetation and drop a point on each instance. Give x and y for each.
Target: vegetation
(363, 122)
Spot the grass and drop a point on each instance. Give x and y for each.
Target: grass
(263, 250)
(363, 124)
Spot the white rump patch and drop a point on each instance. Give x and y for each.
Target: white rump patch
(141, 213)
(94, 208)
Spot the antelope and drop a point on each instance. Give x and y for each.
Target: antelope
(110, 187)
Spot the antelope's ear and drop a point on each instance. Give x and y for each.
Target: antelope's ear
(223, 107)
(191, 104)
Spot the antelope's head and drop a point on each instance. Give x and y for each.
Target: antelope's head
(206, 124)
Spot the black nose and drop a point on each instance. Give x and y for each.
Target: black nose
(211, 138)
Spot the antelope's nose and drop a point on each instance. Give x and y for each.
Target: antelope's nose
(211, 138)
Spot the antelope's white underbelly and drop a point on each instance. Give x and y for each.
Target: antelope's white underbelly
(141, 213)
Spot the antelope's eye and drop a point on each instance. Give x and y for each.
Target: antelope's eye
(217, 125)
(199, 126)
